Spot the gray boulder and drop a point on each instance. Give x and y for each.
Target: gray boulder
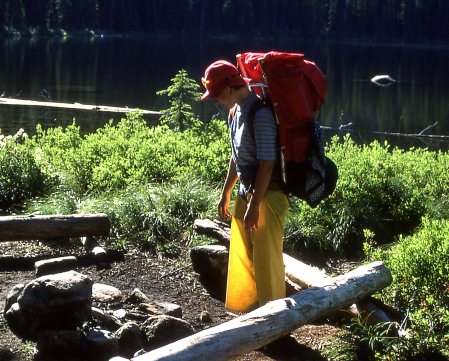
(105, 294)
(162, 330)
(130, 339)
(12, 296)
(54, 302)
(211, 262)
(58, 343)
(101, 345)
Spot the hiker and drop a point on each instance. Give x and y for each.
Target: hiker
(256, 272)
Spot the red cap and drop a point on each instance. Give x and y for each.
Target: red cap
(220, 75)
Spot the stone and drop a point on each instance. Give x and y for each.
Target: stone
(101, 344)
(211, 263)
(137, 296)
(106, 294)
(107, 320)
(130, 339)
(55, 265)
(12, 295)
(58, 343)
(162, 330)
(56, 302)
(161, 308)
(17, 324)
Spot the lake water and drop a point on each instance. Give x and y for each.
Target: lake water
(127, 72)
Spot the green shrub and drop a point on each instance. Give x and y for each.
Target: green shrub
(419, 265)
(129, 153)
(382, 191)
(20, 175)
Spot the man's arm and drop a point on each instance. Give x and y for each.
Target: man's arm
(231, 179)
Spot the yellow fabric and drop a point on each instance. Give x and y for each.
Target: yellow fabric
(256, 271)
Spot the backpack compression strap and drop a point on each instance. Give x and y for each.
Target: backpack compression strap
(257, 105)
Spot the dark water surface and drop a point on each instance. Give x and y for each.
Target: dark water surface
(127, 72)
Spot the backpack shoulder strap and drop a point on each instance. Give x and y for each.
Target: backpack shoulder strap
(257, 105)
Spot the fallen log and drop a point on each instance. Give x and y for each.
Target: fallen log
(16, 228)
(76, 106)
(275, 319)
(305, 276)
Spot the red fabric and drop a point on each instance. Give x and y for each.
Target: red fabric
(297, 89)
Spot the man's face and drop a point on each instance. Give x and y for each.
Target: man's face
(225, 99)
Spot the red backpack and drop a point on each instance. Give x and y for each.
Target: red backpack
(295, 88)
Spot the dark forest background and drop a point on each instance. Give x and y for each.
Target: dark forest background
(411, 21)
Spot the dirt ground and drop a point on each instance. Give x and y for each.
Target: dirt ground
(160, 278)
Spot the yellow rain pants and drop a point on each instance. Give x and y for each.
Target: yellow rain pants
(256, 272)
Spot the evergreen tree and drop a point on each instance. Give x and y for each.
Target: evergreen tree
(181, 93)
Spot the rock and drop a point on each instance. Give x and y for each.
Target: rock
(59, 343)
(211, 262)
(162, 330)
(106, 294)
(136, 316)
(161, 308)
(109, 321)
(55, 265)
(119, 314)
(137, 296)
(383, 80)
(17, 324)
(130, 339)
(101, 345)
(55, 302)
(12, 296)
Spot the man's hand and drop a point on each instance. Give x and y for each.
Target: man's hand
(223, 207)
(251, 218)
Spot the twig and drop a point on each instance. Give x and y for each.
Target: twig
(430, 126)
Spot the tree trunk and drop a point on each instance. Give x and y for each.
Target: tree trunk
(15, 228)
(275, 319)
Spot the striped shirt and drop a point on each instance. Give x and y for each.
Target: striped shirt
(245, 151)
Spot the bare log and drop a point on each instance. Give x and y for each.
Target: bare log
(92, 247)
(218, 230)
(275, 319)
(15, 228)
(76, 106)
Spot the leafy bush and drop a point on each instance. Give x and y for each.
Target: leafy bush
(381, 191)
(420, 285)
(20, 176)
(116, 157)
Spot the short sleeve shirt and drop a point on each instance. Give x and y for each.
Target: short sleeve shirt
(247, 152)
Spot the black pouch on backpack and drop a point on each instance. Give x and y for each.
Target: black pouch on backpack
(316, 177)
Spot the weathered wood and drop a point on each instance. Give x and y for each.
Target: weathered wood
(15, 228)
(92, 247)
(275, 319)
(77, 106)
(218, 230)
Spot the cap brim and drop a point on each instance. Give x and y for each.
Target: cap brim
(216, 92)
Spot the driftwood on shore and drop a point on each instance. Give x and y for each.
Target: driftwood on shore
(305, 276)
(275, 319)
(16, 228)
(76, 106)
